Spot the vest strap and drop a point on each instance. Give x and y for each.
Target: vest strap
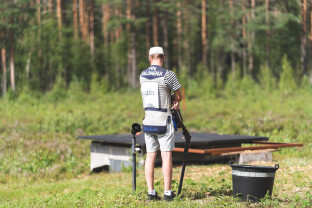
(156, 109)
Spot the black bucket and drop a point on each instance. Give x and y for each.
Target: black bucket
(251, 183)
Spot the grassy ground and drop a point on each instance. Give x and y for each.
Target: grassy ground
(204, 186)
(43, 165)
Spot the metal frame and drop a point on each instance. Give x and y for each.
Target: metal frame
(219, 151)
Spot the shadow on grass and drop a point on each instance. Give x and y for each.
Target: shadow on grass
(216, 192)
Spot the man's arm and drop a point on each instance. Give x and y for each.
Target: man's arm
(173, 83)
(176, 98)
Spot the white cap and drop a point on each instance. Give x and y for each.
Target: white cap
(156, 50)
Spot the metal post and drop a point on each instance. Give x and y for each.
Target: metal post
(135, 129)
(133, 164)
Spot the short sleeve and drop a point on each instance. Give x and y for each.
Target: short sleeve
(172, 81)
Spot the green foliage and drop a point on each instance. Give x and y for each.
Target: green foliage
(49, 52)
(183, 77)
(81, 66)
(266, 78)
(75, 90)
(97, 86)
(287, 82)
(58, 91)
(232, 84)
(305, 83)
(197, 88)
(248, 85)
(201, 71)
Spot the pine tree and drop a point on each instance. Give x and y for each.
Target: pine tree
(304, 36)
(204, 32)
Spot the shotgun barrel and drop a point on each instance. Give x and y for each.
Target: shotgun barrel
(176, 115)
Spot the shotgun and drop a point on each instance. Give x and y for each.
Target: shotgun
(178, 120)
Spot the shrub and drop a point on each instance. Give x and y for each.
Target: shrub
(287, 82)
(266, 78)
(305, 83)
(98, 85)
(58, 91)
(232, 84)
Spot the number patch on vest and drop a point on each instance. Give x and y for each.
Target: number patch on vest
(149, 92)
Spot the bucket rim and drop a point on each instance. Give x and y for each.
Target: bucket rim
(276, 167)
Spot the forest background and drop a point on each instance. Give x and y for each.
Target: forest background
(48, 43)
(71, 68)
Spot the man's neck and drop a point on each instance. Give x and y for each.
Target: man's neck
(156, 62)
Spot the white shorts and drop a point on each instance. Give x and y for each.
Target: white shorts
(164, 142)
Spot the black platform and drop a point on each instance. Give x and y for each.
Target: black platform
(198, 139)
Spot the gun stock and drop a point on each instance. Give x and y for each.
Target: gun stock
(179, 121)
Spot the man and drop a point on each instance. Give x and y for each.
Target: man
(156, 86)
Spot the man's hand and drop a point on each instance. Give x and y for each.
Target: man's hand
(176, 98)
(175, 105)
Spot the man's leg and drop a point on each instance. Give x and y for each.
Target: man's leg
(149, 169)
(167, 169)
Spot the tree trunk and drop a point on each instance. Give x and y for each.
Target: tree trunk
(220, 54)
(132, 72)
(233, 62)
(166, 37)
(64, 13)
(310, 36)
(28, 65)
(75, 19)
(81, 19)
(129, 55)
(251, 41)
(155, 25)
(120, 24)
(303, 57)
(220, 73)
(119, 28)
(59, 17)
(103, 6)
(179, 35)
(105, 19)
(112, 34)
(11, 41)
(4, 81)
(50, 5)
(204, 32)
(244, 33)
(133, 57)
(148, 25)
(86, 20)
(128, 14)
(12, 67)
(187, 48)
(92, 28)
(44, 7)
(39, 28)
(267, 20)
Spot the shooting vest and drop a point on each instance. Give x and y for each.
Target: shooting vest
(156, 100)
